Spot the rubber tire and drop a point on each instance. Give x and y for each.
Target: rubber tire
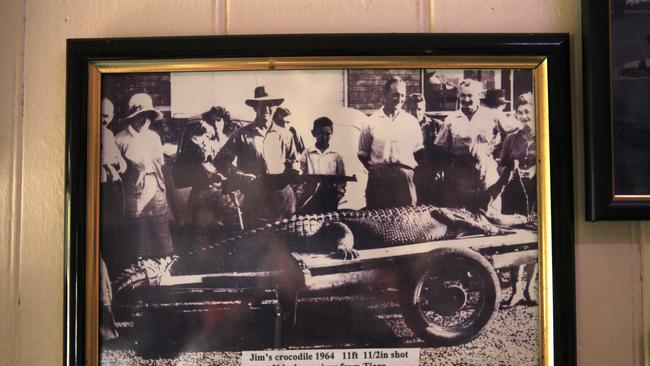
(410, 305)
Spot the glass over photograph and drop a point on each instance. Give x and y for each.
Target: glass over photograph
(630, 61)
(319, 209)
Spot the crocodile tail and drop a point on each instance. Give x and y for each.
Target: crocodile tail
(297, 227)
(144, 272)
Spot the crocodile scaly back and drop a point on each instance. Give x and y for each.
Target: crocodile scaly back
(269, 247)
(394, 226)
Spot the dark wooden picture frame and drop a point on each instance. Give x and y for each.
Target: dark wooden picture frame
(549, 51)
(610, 192)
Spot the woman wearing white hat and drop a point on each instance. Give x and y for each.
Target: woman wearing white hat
(147, 214)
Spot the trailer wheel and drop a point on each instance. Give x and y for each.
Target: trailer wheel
(452, 296)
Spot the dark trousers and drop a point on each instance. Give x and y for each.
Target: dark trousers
(519, 196)
(264, 204)
(107, 329)
(390, 186)
(463, 188)
(145, 234)
(323, 197)
(427, 185)
(111, 220)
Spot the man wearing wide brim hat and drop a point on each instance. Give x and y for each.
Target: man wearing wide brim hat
(260, 96)
(147, 214)
(265, 152)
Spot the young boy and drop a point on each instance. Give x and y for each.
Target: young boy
(323, 195)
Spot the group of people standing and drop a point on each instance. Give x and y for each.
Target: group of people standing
(258, 167)
(252, 175)
(468, 160)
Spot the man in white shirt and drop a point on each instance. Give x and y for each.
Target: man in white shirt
(321, 160)
(389, 144)
(469, 137)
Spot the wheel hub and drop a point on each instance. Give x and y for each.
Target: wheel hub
(450, 300)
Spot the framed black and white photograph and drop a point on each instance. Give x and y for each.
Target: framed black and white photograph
(616, 91)
(320, 200)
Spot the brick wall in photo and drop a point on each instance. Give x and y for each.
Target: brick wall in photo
(365, 86)
(120, 87)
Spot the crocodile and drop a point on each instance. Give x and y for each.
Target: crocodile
(342, 233)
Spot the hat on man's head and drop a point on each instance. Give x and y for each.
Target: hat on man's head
(142, 103)
(495, 97)
(261, 95)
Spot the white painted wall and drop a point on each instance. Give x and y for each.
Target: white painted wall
(32, 119)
